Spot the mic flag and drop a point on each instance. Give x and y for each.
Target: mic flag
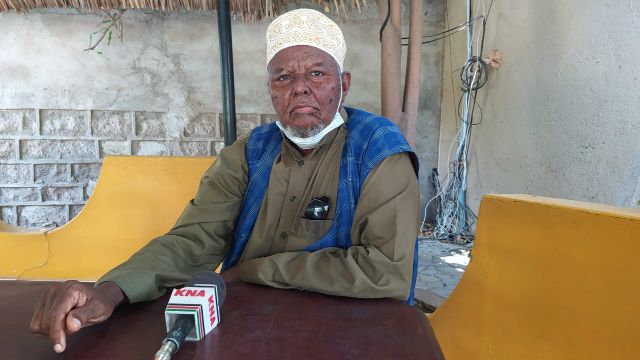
(199, 300)
(192, 312)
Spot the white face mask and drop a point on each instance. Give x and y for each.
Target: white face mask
(312, 141)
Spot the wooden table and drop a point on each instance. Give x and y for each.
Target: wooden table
(257, 323)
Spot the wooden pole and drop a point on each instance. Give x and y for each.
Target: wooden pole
(390, 90)
(412, 77)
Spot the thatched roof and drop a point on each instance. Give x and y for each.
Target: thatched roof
(250, 10)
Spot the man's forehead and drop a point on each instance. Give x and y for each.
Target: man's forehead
(301, 55)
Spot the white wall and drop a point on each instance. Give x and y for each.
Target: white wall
(167, 62)
(561, 117)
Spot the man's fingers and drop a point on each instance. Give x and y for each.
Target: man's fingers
(41, 321)
(92, 312)
(36, 321)
(66, 308)
(73, 323)
(58, 338)
(46, 303)
(59, 347)
(56, 330)
(69, 297)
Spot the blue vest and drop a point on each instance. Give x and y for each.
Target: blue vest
(370, 139)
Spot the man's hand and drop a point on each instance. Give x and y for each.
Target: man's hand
(67, 307)
(231, 275)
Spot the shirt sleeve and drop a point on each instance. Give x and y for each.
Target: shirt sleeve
(380, 262)
(199, 239)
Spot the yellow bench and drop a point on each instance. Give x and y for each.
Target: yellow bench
(135, 200)
(549, 279)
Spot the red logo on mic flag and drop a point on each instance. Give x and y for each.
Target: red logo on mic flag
(188, 292)
(212, 310)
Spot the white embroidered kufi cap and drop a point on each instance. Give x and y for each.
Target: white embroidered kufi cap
(306, 27)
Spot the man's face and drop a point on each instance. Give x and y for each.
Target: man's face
(304, 84)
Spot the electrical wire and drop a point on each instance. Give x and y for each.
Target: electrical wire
(386, 19)
(484, 25)
(475, 103)
(446, 33)
(444, 181)
(473, 74)
(440, 188)
(454, 220)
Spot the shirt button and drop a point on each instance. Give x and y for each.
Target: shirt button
(300, 162)
(284, 235)
(293, 199)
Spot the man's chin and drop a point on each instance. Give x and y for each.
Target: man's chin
(304, 126)
(305, 132)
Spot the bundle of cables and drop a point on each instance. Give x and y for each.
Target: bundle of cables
(454, 220)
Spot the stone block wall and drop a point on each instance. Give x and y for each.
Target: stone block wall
(50, 159)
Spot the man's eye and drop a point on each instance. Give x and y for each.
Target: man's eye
(284, 77)
(316, 73)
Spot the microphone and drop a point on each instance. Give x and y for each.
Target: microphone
(193, 311)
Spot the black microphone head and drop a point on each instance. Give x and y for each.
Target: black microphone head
(208, 278)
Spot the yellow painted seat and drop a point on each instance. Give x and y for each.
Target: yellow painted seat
(20, 249)
(135, 200)
(549, 279)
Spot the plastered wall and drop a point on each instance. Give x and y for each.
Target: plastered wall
(157, 93)
(561, 117)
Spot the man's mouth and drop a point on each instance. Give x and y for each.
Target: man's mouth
(302, 109)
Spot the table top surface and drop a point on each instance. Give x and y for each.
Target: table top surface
(256, 323)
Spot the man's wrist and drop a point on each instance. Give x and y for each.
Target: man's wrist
(112, 293)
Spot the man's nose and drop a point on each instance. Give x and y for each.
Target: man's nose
(300, 85)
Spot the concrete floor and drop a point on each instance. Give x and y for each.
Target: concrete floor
(440, 267)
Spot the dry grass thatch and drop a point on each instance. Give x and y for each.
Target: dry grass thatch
(250, 10)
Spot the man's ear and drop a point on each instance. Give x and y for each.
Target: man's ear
(346, 83)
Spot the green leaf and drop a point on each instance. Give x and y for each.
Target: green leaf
(109, 38)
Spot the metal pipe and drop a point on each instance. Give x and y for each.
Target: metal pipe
(464, 133)
(226, 72)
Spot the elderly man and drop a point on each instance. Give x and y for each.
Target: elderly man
(324, 199)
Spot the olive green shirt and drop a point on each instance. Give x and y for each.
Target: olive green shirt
(379, 264)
